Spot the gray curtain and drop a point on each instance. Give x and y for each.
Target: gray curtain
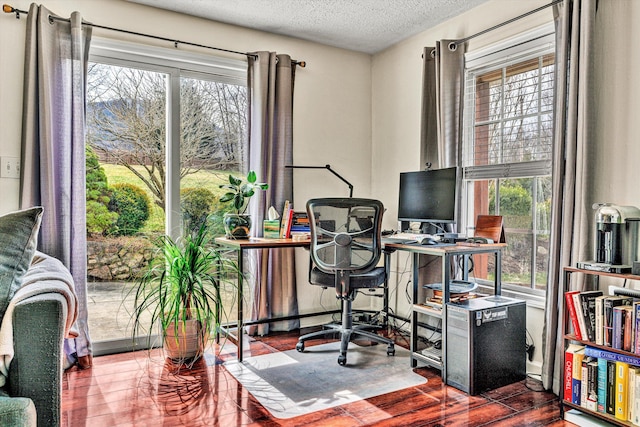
(575, 21)
(53, 173)
(271, 81)
(441, 120)
(442, 100)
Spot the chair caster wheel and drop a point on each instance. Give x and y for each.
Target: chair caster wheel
(391, 351)
(300, 347)
(342, 360)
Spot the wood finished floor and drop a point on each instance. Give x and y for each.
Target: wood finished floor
(140, 389)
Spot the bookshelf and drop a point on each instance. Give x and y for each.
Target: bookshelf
(574, 340)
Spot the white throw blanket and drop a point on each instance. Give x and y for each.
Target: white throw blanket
(46, 274)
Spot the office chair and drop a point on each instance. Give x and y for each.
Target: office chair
(345, 249)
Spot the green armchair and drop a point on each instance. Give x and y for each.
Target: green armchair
(34, 384)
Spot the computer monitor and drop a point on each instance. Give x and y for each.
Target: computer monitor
(428, 196)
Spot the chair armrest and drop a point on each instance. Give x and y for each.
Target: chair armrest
(36, 369)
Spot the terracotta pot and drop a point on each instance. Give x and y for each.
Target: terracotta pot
(189, 343)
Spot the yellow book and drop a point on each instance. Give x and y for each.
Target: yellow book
(622, 390)
(634, 371)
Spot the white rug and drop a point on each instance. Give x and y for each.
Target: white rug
(290, 383)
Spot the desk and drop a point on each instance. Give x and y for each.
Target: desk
(446, 253)
(241, 245)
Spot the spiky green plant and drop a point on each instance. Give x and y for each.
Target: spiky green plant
(183, 283)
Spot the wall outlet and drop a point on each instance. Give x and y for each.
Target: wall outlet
(10, 167)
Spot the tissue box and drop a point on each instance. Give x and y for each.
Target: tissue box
(271, 228)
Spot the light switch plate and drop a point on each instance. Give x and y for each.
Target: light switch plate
(9, 167)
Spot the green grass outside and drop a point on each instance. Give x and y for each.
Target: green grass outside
(155, 224)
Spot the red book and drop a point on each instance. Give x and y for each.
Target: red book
(568, 298)
(288, 224)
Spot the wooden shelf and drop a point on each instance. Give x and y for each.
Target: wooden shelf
(572, 337)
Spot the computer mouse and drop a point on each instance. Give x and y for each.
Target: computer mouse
(428, 241)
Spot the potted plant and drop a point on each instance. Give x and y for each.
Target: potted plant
(180, 292)
(237, 224)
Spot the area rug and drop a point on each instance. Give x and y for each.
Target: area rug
(289, 383)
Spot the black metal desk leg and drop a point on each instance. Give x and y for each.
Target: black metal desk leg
(240, 304)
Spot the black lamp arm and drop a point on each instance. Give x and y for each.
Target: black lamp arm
(327, 167)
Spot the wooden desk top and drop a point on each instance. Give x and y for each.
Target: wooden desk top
(261, 243)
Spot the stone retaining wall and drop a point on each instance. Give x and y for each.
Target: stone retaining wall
(122, 258)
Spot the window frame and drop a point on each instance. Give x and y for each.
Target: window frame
(525, 46)
(176, 64)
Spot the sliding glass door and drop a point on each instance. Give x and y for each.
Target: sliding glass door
(160, 139)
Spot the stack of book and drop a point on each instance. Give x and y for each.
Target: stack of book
(607, 320)
(603, 381)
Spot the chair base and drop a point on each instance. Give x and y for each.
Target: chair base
(346, 330)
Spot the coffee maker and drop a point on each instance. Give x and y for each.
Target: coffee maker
(616, 238)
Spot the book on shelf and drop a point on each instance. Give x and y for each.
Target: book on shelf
(568, 369)
(592, 383)
(577, 305)
(576, 376)
(609, 304)
(568, 298)
(599, 311)
(622, 390)
(634, 371)
(627, 329)
(588, 303)
(612, 355)
(621, 333)
(611, 387)
(636, 335)
(635, 413)
(602, 386)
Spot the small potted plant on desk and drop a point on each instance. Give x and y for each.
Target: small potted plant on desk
(237, 225)
(180, 292)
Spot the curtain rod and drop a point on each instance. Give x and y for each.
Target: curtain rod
(9, 9)
(454, 44)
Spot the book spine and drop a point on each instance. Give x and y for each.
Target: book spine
(568, 366)
(636, 310)
(612, 355)
(627, 331)
(599, 324)
(283, 222)
(576, 377)
(287, 234)
(588, 302)
(636, 402)
(584, 384)
(602, 386)
(633, 372)
(616, 332)
(592, 385)
(622, 390)
(578, 307)
(568, 297)
(611, 387)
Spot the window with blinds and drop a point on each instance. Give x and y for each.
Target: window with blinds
(507, 152)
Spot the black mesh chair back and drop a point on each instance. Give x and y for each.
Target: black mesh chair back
(345, 240)
(345, 250)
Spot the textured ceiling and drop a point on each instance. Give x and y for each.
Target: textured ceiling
(362, 25)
